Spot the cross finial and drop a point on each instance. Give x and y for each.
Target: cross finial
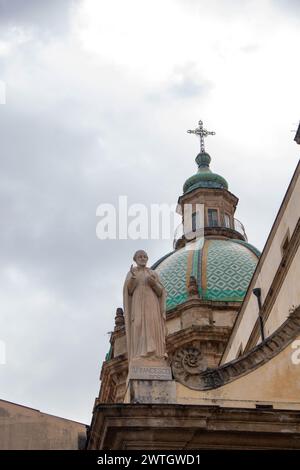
(201, 133)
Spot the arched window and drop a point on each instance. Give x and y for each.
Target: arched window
(212, 216)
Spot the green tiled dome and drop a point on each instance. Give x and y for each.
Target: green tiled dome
(222, 267)
(204, 178)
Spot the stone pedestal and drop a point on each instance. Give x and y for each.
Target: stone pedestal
(150, 391)
(150, 381)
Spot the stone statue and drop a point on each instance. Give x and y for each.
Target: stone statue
(145, 311)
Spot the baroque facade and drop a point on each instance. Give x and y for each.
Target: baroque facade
(234, 381)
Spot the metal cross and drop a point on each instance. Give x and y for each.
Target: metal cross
(202, 133)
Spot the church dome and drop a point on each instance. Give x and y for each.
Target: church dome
(204, 178)
(222, 268)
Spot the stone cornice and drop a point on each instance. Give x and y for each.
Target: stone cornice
(214, 378)
(208, 193)
(199, 303)
(148, 426)
(197, 332)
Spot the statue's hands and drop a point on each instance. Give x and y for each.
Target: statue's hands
(133, 273)
(151, 280)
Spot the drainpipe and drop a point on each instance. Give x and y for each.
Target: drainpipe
(257, 293)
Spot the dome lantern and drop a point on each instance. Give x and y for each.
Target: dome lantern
(210, 191)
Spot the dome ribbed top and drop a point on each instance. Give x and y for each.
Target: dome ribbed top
(204, 178)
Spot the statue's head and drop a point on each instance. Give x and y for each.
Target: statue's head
(141, 258)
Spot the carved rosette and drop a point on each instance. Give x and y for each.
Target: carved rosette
(187, 362)
(189, 367)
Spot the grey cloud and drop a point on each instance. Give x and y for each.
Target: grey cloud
(289, 6)
(43, 15)
(185, 82)
(189, 87)
(55, 170)
(230, 8)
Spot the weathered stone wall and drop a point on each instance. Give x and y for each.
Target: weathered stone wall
(23, 428)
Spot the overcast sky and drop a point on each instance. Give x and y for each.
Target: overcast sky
(99, 95)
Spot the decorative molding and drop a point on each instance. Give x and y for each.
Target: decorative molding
(218, 305)
(186, 362)
(206, 338)
(214, 378)
(113, 376)
(206, 194)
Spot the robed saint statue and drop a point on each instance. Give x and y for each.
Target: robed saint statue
(145, 311)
